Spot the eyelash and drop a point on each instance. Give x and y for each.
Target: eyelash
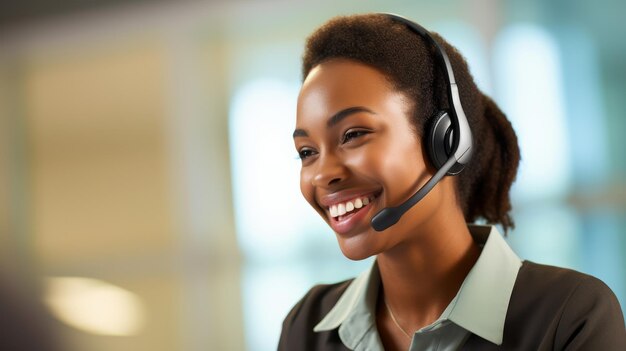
(354, 133)
(302, 154)
(347, 137)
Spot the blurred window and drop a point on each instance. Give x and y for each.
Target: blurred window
(529, 88)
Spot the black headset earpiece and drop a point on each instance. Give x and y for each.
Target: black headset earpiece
(449, 139)
(439, 142)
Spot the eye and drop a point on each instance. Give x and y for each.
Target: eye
(353, 133)
(305, 153)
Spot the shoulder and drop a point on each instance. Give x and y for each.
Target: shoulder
(317, 302)
(564, 308)
(299, 323)
(537, 282)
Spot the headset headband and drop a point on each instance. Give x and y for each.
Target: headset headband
(462, 140)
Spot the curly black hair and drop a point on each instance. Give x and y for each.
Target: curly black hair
(410, 64)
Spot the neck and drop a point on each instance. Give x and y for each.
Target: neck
(421, 277)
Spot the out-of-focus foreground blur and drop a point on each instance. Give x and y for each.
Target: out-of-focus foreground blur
(149, 192)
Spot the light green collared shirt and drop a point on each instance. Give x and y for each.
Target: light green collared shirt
(479, 306)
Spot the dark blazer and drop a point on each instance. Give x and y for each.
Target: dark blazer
(550, 309)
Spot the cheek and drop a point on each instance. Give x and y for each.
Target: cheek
(398, 165)
(306, 188)
(389, 159)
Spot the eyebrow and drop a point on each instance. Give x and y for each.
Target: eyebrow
(336, 118)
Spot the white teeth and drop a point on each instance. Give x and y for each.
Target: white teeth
(349, 206)
(342, 209)
(358, 203)
(333, 211)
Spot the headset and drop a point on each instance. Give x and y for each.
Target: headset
(449, 138)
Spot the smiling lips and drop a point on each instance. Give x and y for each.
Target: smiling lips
(347, 209)
(348, 215)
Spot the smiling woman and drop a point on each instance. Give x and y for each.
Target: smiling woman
(378, 107)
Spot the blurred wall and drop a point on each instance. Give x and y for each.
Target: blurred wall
(115, 161)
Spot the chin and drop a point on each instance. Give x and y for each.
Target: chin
(356, 248)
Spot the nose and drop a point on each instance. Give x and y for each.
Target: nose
(330, 170)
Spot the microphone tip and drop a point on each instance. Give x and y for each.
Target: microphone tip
(385, 219)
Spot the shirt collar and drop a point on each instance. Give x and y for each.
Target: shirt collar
(483, 299)
(354, 312)
(480, 305)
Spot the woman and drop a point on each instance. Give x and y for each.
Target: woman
(368, 110)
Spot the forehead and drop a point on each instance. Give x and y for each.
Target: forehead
(340, 83)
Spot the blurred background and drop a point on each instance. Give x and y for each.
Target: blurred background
(149, 192)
